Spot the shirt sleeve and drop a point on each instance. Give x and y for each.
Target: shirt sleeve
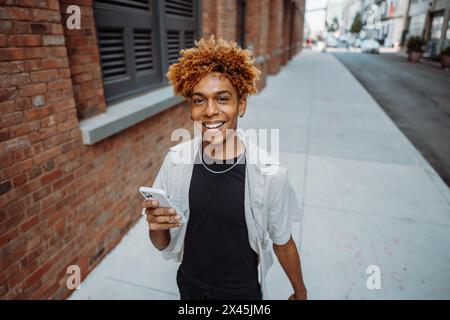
(283, 206)
(162, 178)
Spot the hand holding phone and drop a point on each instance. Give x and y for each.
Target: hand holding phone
(163, 214)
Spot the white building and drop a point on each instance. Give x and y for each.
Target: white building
(393, 15)
(385, 20)
(430, 20)
(335, 10)
(351, 8)
(418, 12)
(437, 29)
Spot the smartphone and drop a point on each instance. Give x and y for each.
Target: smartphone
(162, 197)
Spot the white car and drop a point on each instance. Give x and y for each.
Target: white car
(357, 43)
(331, 42)
(370, 45)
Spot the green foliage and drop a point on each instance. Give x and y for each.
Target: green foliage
(334, 25)
(357, 24)
(446, 51)
(415, 44)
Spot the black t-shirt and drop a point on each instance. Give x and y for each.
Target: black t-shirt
(217, 254)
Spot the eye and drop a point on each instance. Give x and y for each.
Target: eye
(222, 99)
(197, 100)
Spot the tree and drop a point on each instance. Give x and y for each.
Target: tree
(334, 25)
(357, 24)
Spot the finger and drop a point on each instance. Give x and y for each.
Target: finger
(166, 219)
(166, 211)
(173, 218)
(163, 226)
(160, 212)
(148, 203)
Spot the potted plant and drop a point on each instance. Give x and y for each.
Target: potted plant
(414, 47)
(445, 58)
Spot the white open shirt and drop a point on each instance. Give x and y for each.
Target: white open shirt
(270, 201)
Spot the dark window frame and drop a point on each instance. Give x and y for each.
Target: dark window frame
(107, 16)
(241, 21)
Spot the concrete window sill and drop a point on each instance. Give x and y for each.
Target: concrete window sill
(127, 113)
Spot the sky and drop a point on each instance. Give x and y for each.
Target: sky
(313, 4)
(315, 19)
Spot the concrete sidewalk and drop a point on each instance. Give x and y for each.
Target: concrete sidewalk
(368, 198)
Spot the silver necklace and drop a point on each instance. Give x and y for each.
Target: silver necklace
(223, 171)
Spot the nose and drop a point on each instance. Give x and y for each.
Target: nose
(211, 108)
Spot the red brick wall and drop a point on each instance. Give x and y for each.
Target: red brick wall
(263, 38)
(226, 19)
(293, 15)
(209, 18)
(286, 27)
(275, 39)
(62, 202)
(83, 54)
(254, 27)
(298, 27)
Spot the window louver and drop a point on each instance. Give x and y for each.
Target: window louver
(183, 8)
(136, 47)
(143, 50)
(112, 53)
(135, 4)
(189, 38)
(173, 45)
(181, 27)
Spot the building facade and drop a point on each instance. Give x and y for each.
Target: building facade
(87, 116)
(437, 29)
(418, 15)
(351, 9)
(385, 20)
(393, 14)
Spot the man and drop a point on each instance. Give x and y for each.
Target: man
(235, 197)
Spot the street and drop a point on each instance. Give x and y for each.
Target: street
(415, 96)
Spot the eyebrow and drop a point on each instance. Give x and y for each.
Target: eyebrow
(215, 93)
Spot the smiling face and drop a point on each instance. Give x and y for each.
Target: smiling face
(215, 104)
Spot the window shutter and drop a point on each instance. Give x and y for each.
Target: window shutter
(180, 8)
(129, 46)
(180, 26)
(173, 45)
(189, 37)
(127, 4)
(143, 50)
(112, 52)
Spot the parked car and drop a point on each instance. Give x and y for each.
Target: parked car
(370, 45)
(331, 42)
(357, 43)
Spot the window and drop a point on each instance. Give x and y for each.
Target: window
(180, 27)
(436, 25)
(447, 34)
(139, 39)
(417, 25)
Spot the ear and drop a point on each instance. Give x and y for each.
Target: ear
(242, 106)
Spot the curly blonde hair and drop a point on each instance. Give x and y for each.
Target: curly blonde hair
(217, 56)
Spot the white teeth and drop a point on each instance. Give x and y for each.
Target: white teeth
(213, 125)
